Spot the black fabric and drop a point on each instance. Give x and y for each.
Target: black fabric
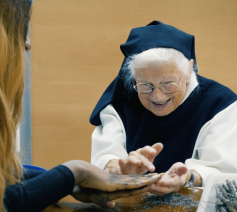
(29, 173)
(154, 35)
(157, 34)
(177, 131)
(39, 189)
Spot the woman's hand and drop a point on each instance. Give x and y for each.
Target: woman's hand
(102, 198)
(89, 176)
(172, 180)
(138, 162)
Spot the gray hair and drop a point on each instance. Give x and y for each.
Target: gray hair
(155, 55)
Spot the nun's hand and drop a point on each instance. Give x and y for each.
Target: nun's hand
(141, 160)
(171, 181)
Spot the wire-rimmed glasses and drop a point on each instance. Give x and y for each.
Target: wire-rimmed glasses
(167, 87)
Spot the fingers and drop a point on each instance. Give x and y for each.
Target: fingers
(134, 158)
(113, 167)
(174, 177)
(139, 159)
(147, 151)
(151, 152)
(127, 168)
(110, 204)
(171, 183)
(127, 193)
(103, 199)
(123, 194)
(158, 147)
(181, 169)
(161, 190)
(152, 178)
(123, 182)
(100, 198)
(139, 191)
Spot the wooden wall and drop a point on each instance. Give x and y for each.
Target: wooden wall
(76, 54)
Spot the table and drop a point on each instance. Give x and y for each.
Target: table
(131, 204)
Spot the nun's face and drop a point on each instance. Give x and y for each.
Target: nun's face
(158, 102)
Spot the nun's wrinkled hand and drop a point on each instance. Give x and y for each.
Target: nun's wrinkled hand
(171, 181)
(141, 160)
(102, 198)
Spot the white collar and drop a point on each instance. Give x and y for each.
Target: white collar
(191, 86)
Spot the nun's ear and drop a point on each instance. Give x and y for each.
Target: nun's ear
(191, 62)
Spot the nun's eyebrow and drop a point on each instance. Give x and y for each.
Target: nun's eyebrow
(143, 80)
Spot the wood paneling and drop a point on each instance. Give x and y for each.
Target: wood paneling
(76, 54)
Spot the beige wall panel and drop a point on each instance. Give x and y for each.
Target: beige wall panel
(75, 55)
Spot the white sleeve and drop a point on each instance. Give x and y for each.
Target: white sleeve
(216, 146)
(108, 139)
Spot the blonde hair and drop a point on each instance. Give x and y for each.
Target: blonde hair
(14, 18)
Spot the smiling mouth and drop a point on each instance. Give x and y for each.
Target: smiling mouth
(161, 103)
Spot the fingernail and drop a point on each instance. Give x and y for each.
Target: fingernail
(145, 181)
(156, 176)
(110, 204)
(151, 167)
(142, 182)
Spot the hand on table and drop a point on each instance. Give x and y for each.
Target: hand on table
(171, 181)
(137, 162)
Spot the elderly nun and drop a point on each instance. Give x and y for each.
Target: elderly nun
(158, 101)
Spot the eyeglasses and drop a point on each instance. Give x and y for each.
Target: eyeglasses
(167, 87)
